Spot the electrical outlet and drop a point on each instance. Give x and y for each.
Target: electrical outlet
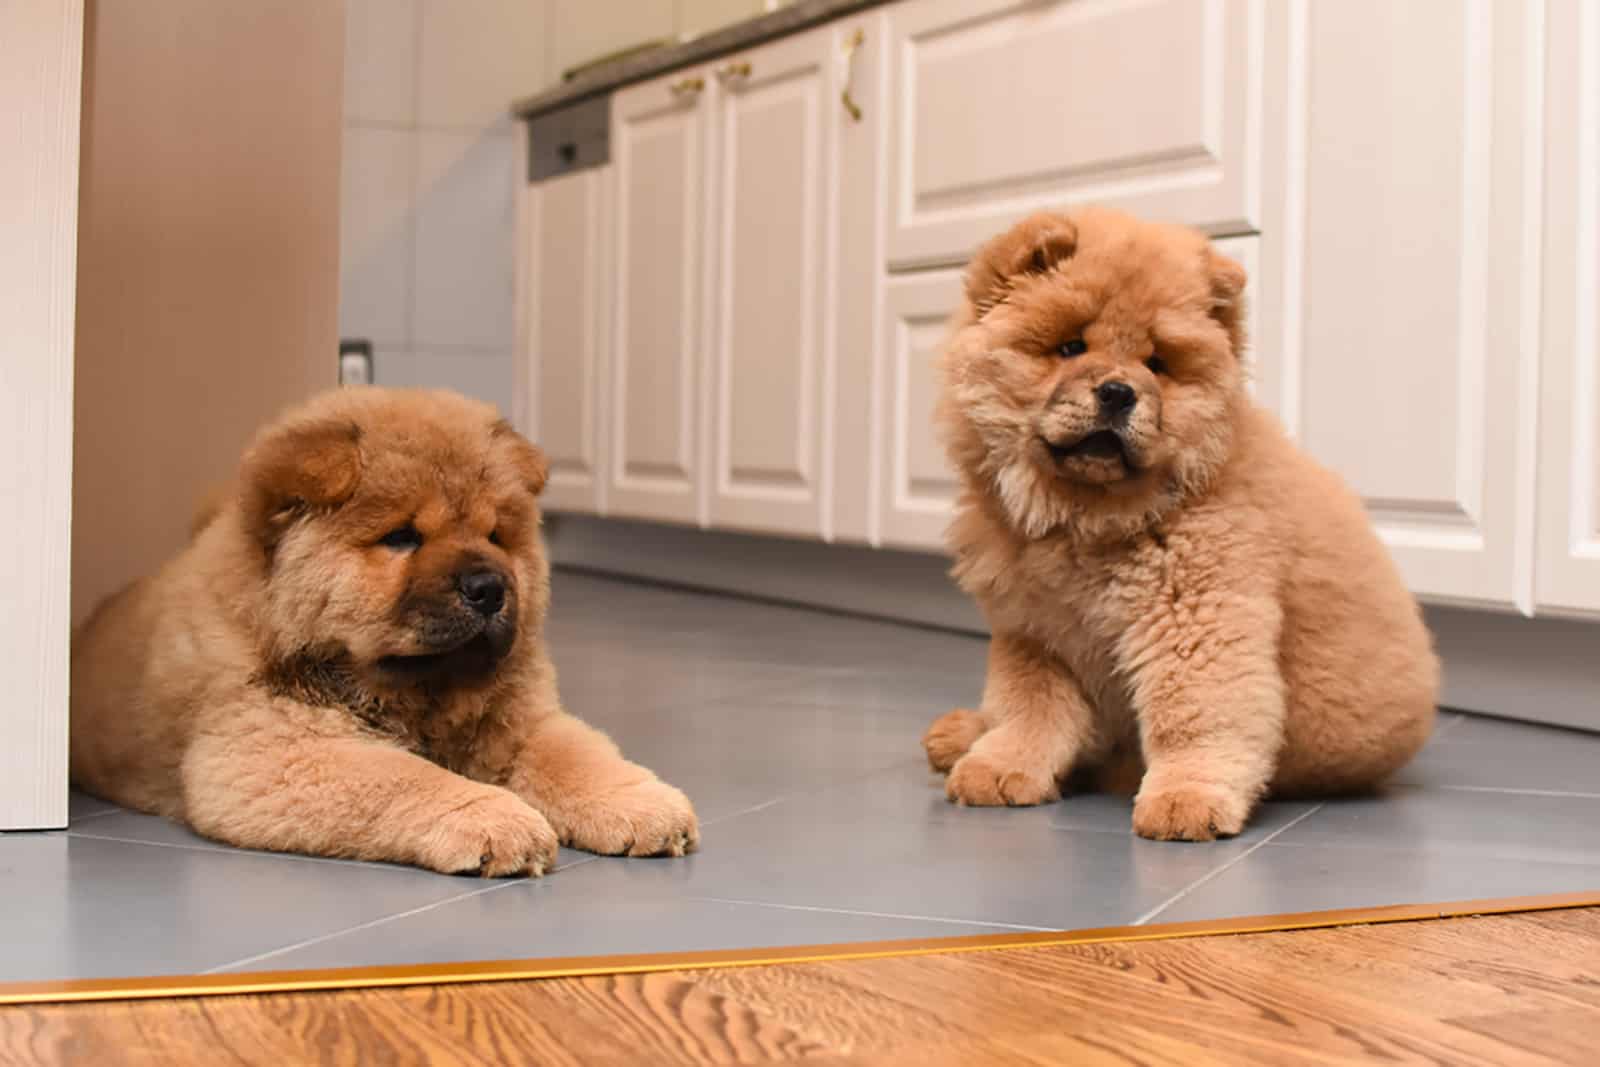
(355, 362)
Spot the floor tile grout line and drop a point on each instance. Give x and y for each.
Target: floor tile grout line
(668, 586)
(250, 853)
(75, 819)
(1513, 791)
(805, 791)
(369, 924)
(873, 914)
(1430, 849)
(763, 806)
(757, 689)
(1210, 875)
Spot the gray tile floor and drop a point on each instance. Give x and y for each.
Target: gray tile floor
(796, 733)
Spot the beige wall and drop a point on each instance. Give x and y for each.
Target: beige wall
(207, 259)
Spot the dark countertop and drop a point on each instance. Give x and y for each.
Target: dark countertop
(803, 14)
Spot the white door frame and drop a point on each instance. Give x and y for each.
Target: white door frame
(41, 79)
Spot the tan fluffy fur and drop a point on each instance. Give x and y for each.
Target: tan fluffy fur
(1207, 614)
(258, 689)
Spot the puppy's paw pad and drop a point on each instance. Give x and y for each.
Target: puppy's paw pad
(979, 782)
(493, 836)
(648, 818)
(1189, 813)
(950, 736)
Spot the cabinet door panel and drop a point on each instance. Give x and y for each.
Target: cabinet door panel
(564, 310)
(1413, 310)
(774, 138)
(1005, 106)
(1568, 566)
(658, 138)
(916, 487)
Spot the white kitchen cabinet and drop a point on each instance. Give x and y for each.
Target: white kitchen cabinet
(775, 145)
(1005, 106)
(1405, 280)
(655, 463)
(1423, 262)
(1568, 564)
(727, 317)
(564, 316)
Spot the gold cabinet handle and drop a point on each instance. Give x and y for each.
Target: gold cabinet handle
(733, 72)
(686, 87)
(851, 45)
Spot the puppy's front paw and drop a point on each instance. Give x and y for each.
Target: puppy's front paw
(647, 818)
(493, 835)
(1197, 812)
(978, 780)
(950, 736)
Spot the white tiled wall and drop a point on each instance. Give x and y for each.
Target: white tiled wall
(375, 235)
(431, 166)
(430, 169)
(464, 219)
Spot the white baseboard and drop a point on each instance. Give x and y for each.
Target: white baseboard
(903, 586)
(1538, 670)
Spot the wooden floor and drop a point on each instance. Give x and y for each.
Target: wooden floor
(1514, 989)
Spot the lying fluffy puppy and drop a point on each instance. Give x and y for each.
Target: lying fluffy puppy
(348, 659)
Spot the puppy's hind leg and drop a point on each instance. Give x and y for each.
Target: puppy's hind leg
(951, 735)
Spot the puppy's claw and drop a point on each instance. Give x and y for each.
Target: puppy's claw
(494, 835)
(1196, 812)
(978, 782)
(648, 818)
(950, 736)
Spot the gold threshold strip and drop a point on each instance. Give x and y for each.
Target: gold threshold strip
(98, 989)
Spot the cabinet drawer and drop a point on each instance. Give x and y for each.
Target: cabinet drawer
(574, 138)
(1006, 106)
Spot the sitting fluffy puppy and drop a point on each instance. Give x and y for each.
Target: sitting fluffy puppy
(1178, 595)
(348, 659)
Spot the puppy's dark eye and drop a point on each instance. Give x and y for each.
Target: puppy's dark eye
(494, 537)
(1072, 348)
(1157, 365)
(402, 539)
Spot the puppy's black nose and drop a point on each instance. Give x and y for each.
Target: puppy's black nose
(1116, 397)
(484, 591)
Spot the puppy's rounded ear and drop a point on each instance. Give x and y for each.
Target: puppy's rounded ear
(1228, 279)
(296, 468)
(1033, 246)
(524, 457)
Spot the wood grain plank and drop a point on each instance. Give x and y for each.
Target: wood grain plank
(1500, 989)
(1562, 1035)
